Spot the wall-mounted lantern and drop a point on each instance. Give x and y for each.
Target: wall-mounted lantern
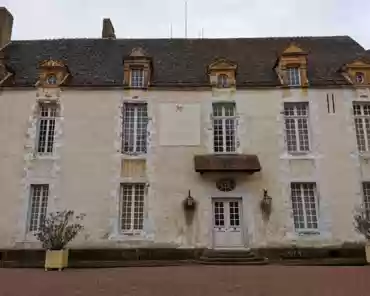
(189, 202)
(266, 204)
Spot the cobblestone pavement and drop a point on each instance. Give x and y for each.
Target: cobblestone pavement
(189, 280)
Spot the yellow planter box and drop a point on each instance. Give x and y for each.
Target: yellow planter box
(367, 252)
(56, 259)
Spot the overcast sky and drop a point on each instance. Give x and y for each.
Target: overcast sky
(39, 19)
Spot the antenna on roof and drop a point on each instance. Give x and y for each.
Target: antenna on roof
(171, 30)
(186, 18)
(202, 34)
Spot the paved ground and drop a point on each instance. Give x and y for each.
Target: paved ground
(189, 280)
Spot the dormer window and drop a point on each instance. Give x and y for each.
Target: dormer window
(222, 74)
(53, 74)
(357, 72)
(137, 69)
(360, 77)
(222, 81)
(293, 76)
(291, 67)
(137, 78)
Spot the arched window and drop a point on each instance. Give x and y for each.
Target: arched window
(222, 81)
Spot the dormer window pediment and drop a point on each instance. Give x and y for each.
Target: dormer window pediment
(222, 73)
(137, 69)
(291, 67)
(53, 73)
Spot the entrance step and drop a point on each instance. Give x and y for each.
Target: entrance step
(228, 254)
(231, 257)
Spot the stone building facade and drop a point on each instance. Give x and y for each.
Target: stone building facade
(182, 143)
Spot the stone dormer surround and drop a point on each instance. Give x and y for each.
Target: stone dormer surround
(292, 57)
(52, 74)
(357, 72)
(222, 73)
(137, 60)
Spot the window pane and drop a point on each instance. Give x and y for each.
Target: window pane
(222, 81)
(296, 127)
(361, 112)
(39, 203)
(304, 205)
(293, 76)
(366, 192)
(224, 127)
(137, 78)
(234, 213)
(46, 128)
(132, 206)
(135, 123)
(219, 214)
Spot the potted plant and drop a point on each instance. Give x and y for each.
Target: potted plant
(57, 230)
(362, 225)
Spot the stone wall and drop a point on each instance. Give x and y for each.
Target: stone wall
(87, 168)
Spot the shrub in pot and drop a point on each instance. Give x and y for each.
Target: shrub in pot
(57, 230)
(362, 225)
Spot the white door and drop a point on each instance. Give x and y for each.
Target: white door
(227, 223)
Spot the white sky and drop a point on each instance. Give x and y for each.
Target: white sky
(39, 19)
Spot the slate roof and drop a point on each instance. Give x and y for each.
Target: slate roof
(181, 62)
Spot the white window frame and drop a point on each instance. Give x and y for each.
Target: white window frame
(38, 206)
(223, 81)
(361, 114)
(303, 204)
(224, 118)
(136, 147)
(48, 113)
(294, 76)
(135, 207)
(137, 81)
(302, 145)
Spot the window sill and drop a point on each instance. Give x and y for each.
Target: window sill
(308, 235)
(298, 155)
(308, 232)
(45, 156)
(128, 236)
(133, 156)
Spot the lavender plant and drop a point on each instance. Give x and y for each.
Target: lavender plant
(362, 222)
(58, 229)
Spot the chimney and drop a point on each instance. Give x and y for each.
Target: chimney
(6, 25)
(108, 30)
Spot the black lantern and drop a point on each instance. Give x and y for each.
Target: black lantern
(266, 204)
(189, 202)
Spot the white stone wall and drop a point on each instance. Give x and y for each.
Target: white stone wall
(84, 174)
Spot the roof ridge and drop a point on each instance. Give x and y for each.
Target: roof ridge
(190, 39)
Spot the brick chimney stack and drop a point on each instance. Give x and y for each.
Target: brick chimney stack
(6, 26)
(108, 29)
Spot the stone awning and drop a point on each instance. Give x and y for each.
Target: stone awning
(227, 163)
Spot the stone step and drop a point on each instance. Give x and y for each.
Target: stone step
(228, 254)
(231, 260)
(251, 262)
